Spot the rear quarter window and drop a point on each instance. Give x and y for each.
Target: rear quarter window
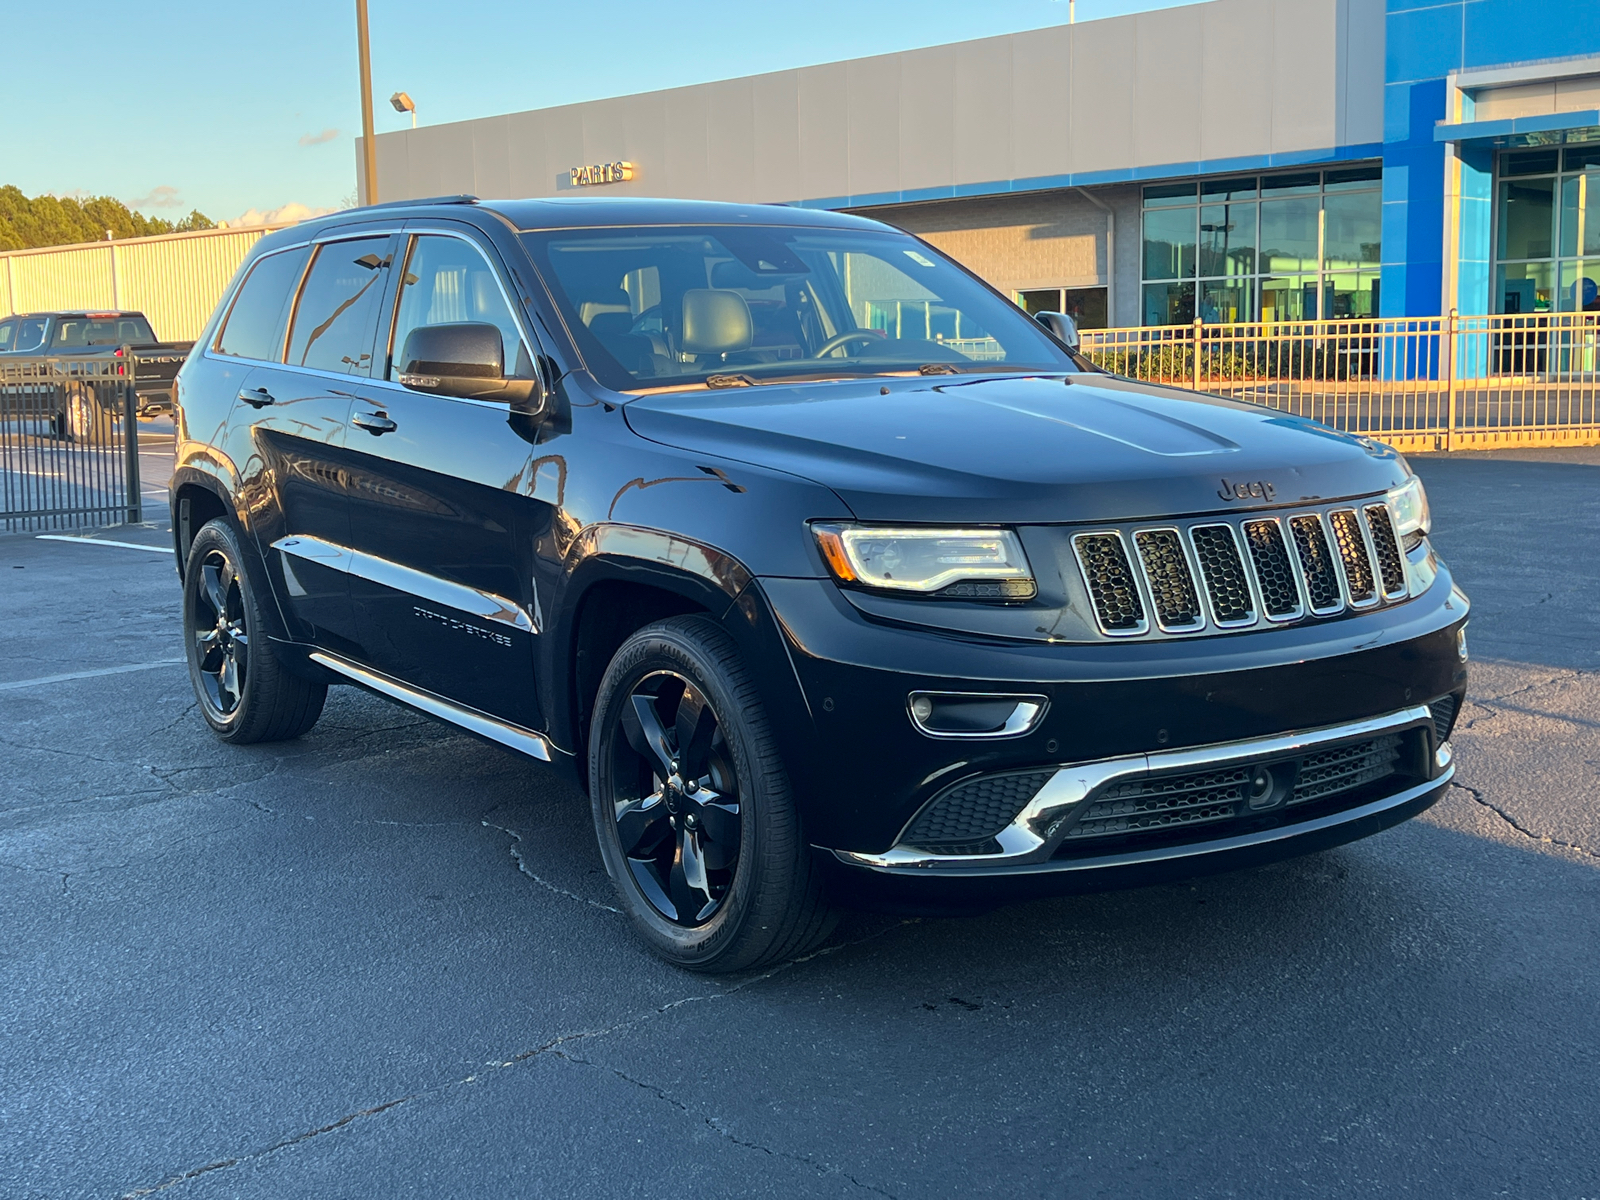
(254, 326)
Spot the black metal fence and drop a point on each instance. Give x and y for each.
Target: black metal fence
(69, 443)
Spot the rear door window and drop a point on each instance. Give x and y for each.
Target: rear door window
(336, 316)
(254, 328)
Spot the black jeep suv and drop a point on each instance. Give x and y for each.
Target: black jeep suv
(802, 550)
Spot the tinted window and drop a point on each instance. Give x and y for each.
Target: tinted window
(446, 282)
(335, 317)
(112, 330)
(30, 334)
(8, 330)
(255, 323)
(669, 306)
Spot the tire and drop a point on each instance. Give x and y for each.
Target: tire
(83, 420)
(244, 692)
(709, 861)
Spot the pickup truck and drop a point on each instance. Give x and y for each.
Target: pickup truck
(64, 362)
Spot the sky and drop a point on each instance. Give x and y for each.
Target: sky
(242, 110)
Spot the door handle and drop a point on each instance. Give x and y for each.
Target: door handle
(373, 423)
(256, 397)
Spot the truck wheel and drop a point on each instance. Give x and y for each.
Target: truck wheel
(83, 419)
(244, 692)
(692, 805)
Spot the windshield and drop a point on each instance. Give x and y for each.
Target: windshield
(734, 305)
(97, 330)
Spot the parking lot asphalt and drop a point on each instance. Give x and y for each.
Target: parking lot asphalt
(383, 960)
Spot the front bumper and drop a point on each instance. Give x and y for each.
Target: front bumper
(1036, 839)
(862, 770)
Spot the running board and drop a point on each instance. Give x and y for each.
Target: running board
(535, 745)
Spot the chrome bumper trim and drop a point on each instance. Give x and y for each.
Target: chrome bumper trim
(1042, 825)
(535, 745)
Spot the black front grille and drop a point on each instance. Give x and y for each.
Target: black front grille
(1110, 579)
(1171, 586)
(965, 819)
(1274, 573)
(1329, 772)
(1391, 566)
(1353, 553)
(1316, 562)
(1161, 806)
(1223, 572)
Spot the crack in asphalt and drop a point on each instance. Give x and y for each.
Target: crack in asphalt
(1545, 839)
(716, 1126)
(552, 1046)
(522, 865)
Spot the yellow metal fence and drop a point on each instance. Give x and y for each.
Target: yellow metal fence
(175, 279)
(1417, 383)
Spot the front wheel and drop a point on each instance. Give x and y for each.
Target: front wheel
(245, 693)
(692, 805)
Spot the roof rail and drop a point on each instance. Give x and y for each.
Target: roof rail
(460, 199)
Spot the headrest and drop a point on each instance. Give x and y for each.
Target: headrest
(611, 324)
(715, 322)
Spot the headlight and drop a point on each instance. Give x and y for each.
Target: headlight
(955, 564)
(1409, 504)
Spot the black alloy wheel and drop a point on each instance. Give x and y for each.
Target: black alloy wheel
(217, 628)
(676, 798)
(245, 692)
(692, 806)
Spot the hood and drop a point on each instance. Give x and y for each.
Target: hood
(1011, 450)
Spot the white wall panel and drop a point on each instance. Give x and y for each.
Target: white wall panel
(1104, 54)
(1235, 93)
(1166, 118)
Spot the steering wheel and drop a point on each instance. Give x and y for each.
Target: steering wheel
(841, 339)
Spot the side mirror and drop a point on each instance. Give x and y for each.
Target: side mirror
(1062, 327)
(467, 361)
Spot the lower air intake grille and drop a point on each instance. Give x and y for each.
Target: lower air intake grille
(1171, 586)
(1444, 717)
(1110, 580)
(1391, 567)
(1223, 570)
(1353, 552)
(1329, 772)
(1270, 557)
(1164, 803)
(1316, 561)
(965, 819)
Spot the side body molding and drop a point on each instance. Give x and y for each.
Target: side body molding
(481, 604)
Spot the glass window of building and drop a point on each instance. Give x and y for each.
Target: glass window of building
(1293, 247)
(1547, 230)
(1086, 306)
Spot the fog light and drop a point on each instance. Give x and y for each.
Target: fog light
(1443, 755)
(1461, 643)
(974, 715)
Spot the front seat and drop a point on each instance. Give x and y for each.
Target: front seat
(715, 322)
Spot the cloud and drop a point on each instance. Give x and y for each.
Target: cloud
(161, 197)
(289, 214)
(316, 139)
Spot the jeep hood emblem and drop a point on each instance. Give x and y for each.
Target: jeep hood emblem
(1258, 489)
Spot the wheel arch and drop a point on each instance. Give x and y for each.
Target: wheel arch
(196, 499)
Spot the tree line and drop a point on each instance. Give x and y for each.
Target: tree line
(61, 220)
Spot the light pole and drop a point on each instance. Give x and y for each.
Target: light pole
(403, 103)
(368, 142)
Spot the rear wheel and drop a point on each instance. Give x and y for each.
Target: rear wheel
(244, 692)
(692, 805)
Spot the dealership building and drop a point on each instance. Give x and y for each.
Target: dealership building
(1235, 160)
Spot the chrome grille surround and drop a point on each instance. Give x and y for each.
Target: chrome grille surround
(1228, 591)
(1386, 550)
(1169, 574)
(1223, 574)
(1119, 606)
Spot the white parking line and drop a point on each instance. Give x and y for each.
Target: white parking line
(66, 537)
(44, 679)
